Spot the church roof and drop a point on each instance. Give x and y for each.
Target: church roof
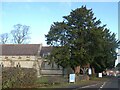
(20, 49)
(45, 50)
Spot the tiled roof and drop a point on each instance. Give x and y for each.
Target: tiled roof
(19, 49)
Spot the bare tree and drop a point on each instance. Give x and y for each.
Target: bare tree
(3, 38)
(20, 34)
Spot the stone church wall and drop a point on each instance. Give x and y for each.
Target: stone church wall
(18, 61)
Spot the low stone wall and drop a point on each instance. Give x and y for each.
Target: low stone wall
(51, 72)
(82, 77)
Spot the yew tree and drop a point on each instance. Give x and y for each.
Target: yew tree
(80, 39)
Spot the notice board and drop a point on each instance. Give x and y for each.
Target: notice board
(72, 78)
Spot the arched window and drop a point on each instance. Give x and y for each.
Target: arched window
(18, 65)
(1, 65)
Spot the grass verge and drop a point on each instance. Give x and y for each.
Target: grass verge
(45, 83)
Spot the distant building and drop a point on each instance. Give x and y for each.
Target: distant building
(112, 72)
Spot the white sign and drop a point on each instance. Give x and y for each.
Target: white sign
(89, 71)
(100, 75)
(72, 78)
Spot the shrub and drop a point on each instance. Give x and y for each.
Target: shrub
(14, 77)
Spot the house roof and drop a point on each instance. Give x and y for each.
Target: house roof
(20, 49)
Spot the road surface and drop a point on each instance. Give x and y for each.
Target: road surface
(112, 84)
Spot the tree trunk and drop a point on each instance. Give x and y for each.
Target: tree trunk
(77, 70)
(84, 70)
(93, 70)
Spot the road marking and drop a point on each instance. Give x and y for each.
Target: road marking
(89, 86)
(103, 85)
(85, 86)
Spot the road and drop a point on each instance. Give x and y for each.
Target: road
(112, 84)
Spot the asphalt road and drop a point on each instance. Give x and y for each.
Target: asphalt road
(112, 84)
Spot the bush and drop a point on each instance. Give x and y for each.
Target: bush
(14, 77)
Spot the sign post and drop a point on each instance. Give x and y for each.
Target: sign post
(72, 78)
(100, 75)
(89, 71)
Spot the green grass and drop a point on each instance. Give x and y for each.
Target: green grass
(99, 79)
(49, 81)
(63, 85)
(44, 82)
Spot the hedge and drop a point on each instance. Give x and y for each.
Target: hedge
(15, 77)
